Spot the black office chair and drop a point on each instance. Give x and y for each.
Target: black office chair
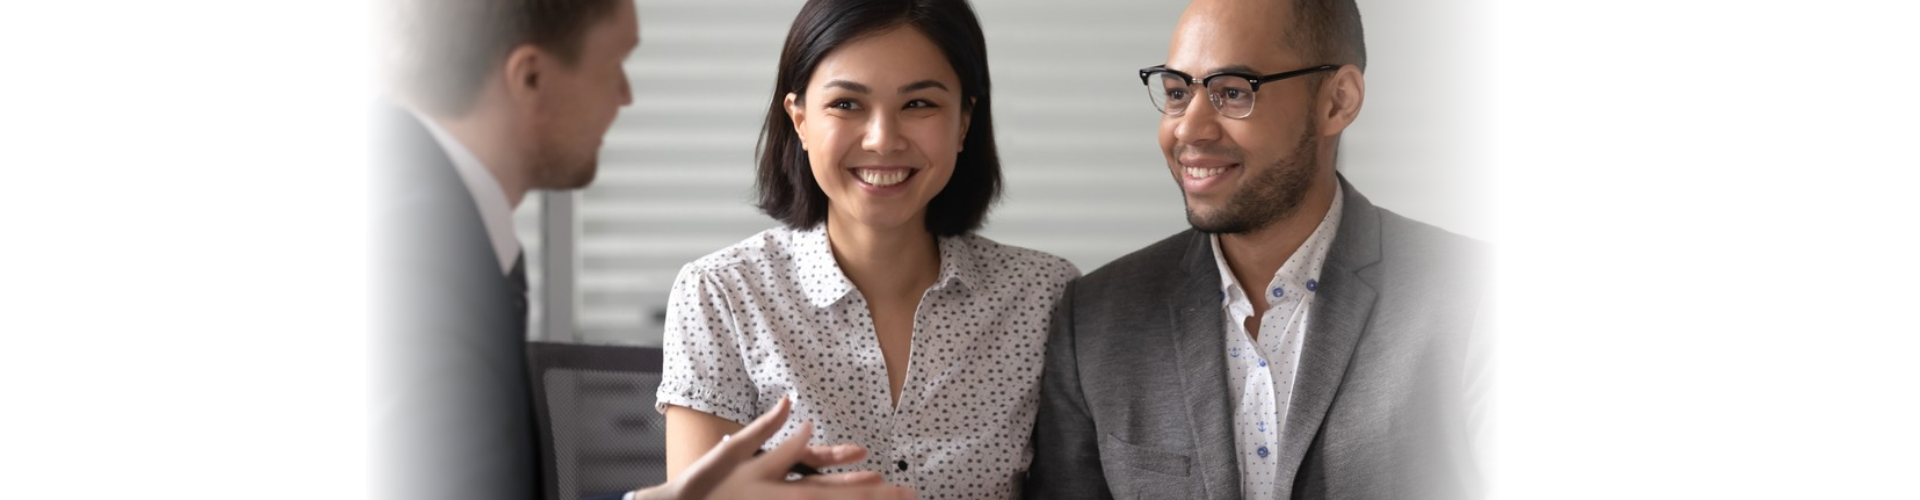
(598, 429)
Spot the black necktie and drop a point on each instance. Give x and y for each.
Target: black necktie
(518, 277)
(526, 445)
(517, 280)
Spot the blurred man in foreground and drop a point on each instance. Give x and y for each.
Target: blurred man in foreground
(494, 99)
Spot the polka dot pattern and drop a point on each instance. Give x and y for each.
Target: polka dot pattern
(774, 315)
(1260, 371)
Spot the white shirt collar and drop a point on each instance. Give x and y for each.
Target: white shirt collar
(489, 197)
(826, 284)
(1300, 272)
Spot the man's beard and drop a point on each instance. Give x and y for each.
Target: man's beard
(1269, 196)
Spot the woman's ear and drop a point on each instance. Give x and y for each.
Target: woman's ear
(797, 113)
(966, 121)
(1340, 100)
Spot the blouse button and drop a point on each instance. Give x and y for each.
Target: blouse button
(900, 464)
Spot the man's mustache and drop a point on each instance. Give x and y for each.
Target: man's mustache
(1229, 154)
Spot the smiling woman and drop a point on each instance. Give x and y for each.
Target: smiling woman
(881, 156)
(889, 323)
(844, 60)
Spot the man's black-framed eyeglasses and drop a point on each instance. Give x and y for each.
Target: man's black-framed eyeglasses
(1230, 92)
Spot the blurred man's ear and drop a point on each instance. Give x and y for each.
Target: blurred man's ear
(1340, 99)
(522, 70)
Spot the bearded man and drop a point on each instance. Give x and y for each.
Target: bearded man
(1298, 342)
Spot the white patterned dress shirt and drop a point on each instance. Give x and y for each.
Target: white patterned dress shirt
(1260, 372)
(774, 315)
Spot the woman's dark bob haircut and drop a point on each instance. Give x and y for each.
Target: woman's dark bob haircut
(788, 191)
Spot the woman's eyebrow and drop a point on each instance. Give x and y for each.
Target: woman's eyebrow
(923, 84)
(853, 86)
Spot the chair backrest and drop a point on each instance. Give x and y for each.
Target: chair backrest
(599, 432)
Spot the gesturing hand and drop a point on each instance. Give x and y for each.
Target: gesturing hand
(731, 471)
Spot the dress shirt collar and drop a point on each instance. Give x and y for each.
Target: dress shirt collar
(489, 197)
(826, 284)
(1300, 272)
(957, 264)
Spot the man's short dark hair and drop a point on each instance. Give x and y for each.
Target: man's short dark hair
(788, 191)
(1328, 32)
(448, 47)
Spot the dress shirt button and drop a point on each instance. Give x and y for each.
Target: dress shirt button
(900, 464)
(1313, 285)
(1262, 451)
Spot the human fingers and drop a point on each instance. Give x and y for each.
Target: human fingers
(714, 467)
(869, 492)
(826, 492)
(820, 457)
(757, 432)
(854, 478)
(775, 462)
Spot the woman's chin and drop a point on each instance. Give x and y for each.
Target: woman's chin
(877, 219)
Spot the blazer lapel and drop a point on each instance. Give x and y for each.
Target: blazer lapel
(1200, 345)
(1340, 312)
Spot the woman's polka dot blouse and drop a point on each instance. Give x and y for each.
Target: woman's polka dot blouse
(773, 316)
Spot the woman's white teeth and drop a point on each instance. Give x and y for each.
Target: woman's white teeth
(1202, 173)
(882, 178)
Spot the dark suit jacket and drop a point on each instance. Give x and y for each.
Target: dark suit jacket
(453, 404)
(1134, 399)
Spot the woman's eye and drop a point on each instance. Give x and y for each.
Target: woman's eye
(920, 103)
(844, 104)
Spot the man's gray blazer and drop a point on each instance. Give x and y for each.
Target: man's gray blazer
(1134, 402)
